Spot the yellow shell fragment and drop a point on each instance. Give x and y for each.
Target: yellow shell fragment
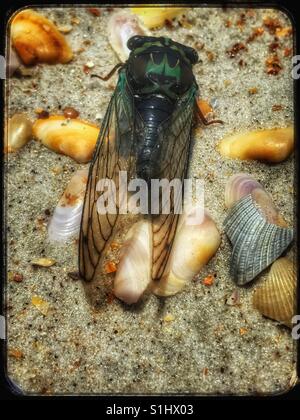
(37, 40)
(274, 145)
(71, 137)
(40, 304)
(155, 17)
(276, 299)
(19, 132)
(43, 262)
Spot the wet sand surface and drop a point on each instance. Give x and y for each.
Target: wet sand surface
(209, 347)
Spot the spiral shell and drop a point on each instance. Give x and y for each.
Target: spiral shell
(276, 298)
(65, 222)
(37, 40)
(122, 26)
(254, 227)
(71, 137)
(274, 145)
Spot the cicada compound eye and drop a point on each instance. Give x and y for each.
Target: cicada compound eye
(191, 55)
(135, 42)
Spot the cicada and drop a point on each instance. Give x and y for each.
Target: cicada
(146, 132)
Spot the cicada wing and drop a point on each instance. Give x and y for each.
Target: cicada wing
(174, 143)
(114, 153)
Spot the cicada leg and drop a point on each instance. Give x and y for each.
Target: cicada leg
(110, 74)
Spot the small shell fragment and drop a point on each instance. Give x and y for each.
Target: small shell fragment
(233, 299)
(276, 298)
(37, 40)
(19, 132)
(169, 318)
(42, 305)
(71, 137)
(256, 230)
(156, 17)
(43, 262)
(65, 222)
(122, 26)
(274, 145)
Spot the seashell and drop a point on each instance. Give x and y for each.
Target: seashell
(233, 299)
(43, 262)
(256, 230)
(156, 17)
(37, 40)
(122, 26)
(65, 222)
(71, 137)
(194, 246)
(134, 270)
(274, 145)
(41, 305)
(19, 132)
(276, 298)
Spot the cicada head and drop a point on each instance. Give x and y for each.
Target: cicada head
(160, 65)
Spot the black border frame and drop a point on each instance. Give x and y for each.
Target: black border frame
(7, 390)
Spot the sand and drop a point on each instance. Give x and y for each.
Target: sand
(209, 347)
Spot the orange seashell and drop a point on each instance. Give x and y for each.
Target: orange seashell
(37, 40)
(271, 145)
(156, 17)
(71, 137)
(205, 107)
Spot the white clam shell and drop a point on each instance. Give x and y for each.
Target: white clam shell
(123, 25)
(134, 270)
(65, 222)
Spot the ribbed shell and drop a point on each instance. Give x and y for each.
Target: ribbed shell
(256, 243)
(276, 299)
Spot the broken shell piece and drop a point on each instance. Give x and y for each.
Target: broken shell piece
(274, 145)
(65, 222)
(37, 40)
(233, 299)
(19, 132)
(42, 305)
(194, 246)
(122, 26)
(255, 229)
(43, 262)
(71, 137)
(156, 17)
(276, 298)
(134, 270)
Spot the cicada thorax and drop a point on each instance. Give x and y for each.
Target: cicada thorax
(158, 76)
